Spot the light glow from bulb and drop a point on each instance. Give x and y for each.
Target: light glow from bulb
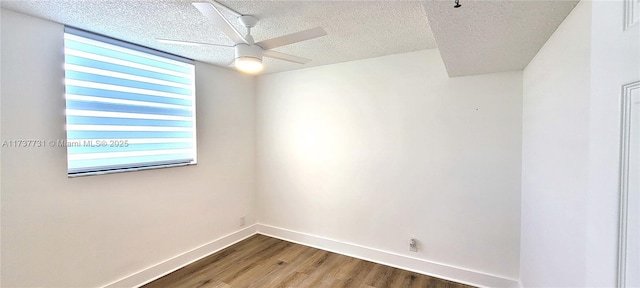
(249, 64)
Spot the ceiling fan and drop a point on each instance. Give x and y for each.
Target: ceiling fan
(248, 53)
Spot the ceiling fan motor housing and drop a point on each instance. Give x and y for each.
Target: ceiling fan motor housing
(248, 50)
(248, 21)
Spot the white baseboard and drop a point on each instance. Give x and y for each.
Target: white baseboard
(421, 266)
(163, 268)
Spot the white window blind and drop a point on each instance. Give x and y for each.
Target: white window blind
(128, 107)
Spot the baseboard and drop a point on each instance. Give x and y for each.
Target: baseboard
(422, 266)
(165, 267)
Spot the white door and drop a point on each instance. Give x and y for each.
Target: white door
(633, 240)
(632, 265)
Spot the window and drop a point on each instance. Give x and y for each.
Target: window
(128, 107)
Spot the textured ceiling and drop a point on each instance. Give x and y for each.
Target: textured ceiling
(493, 36)
(480, 37)
(356, 29)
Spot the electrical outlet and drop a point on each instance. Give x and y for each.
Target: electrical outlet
(413, 244)
(242, 221)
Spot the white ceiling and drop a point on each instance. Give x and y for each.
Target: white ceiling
(493, 36)
(480, 37)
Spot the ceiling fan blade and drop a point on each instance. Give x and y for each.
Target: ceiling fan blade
(285, 57)
(211, 12)
(169, 41)
(292, 38)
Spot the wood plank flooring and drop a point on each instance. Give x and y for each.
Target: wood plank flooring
(264, 262)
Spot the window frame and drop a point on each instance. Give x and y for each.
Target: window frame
(123, 46)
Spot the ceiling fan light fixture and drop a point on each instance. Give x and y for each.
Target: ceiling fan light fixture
(248, 53)
(249, 65)
(248, 58)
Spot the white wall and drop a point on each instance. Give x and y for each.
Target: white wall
(88, 231)
(372, 151)
(556, 89)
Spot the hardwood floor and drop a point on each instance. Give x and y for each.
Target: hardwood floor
(263, 262)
